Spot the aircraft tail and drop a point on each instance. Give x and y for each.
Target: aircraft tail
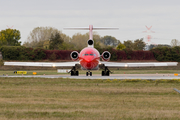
(90, 41)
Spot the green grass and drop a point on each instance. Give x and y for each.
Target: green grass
(44, 99)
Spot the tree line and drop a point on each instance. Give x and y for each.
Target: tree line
(52, 39)
(50, 43)
(22, 53)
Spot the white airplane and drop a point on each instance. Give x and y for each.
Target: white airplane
(89, 59)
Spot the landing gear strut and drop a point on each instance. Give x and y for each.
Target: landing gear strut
(89, 73)
(74, 72)
(106, 72)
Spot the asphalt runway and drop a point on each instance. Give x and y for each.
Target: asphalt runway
(111, 77)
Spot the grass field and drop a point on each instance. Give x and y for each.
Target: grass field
(55, 99)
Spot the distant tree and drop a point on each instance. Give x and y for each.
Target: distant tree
(120, 46)
(163, 45)
(66, 46)
(128, 44)
(175, 42)
(40, 36)
(10, 37)
(80, 40)
(46, 44)
(55, 41)
(139, 44)
(98, 45)
(110, 41)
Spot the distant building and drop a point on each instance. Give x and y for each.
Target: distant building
(151, 46)
(146, 48)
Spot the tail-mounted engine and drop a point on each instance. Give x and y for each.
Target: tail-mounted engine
(74, 55)
(106, 56)
(90, 43)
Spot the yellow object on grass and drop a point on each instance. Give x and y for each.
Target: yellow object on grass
(20, 72)
(34, 73)
(175, 74)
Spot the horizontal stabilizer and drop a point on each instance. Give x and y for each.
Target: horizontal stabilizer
(76, 28)
(85, 28)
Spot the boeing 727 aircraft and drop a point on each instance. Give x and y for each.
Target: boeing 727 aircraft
(89, 59)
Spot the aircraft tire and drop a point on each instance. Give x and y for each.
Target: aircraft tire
(72, 73)
(90, 73)
(77, 73)
(103, 73)
(107, 73)
(87, 73)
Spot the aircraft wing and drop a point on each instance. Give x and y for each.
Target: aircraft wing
(43, 64)
(144, 64)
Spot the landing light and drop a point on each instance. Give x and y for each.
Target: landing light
(126, 65)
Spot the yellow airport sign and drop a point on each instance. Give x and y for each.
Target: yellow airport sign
(20, 72)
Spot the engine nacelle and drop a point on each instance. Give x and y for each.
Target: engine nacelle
(90, 43)
(106, 56)
(74, 55)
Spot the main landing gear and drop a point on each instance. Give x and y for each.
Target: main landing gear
(106, 72)
(74, 72)
(89, 73)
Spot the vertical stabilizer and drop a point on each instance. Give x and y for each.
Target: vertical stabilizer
(90, 32)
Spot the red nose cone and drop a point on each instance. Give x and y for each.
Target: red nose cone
(88, 65)
(88, 61)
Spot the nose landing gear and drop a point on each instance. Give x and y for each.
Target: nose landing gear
(89, 73)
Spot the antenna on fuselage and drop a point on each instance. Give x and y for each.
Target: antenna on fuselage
(91, 28)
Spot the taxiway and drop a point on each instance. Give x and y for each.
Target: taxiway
(111, 77)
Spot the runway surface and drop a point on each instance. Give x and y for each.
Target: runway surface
(111, 77)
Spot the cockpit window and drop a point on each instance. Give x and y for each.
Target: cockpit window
(91, 54)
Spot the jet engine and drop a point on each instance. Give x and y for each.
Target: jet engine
(74, 55)
(90, 43)
(106, 55)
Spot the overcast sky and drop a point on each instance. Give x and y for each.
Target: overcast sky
(130, 16)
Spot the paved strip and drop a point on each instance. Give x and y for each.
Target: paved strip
(115, 76)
